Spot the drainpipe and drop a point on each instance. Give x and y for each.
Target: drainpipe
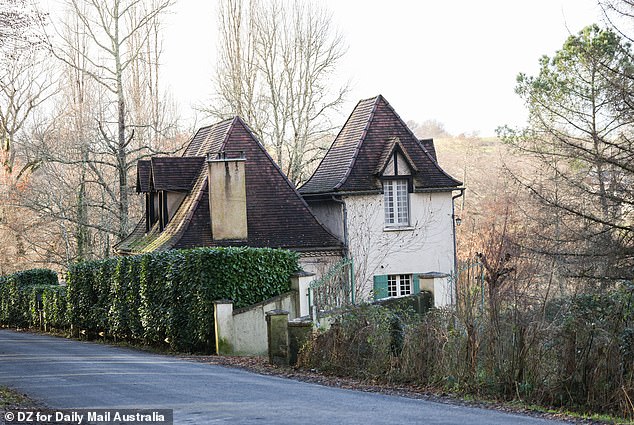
(345, 224)
(346, 247)
(455, 245)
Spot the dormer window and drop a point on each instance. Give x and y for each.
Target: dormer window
(165, 181)
(396, 202)
(152, 209)
(396, 170)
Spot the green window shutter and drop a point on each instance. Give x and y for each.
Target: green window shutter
(380, 287)
(416, 283)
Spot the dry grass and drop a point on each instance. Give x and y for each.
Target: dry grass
(11, 399)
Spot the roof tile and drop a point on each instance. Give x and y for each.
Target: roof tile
(143, 176)
(428, 144)
(175, 174)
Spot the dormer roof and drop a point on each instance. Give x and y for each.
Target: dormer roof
(143, 167)
(175, 174)
(393, 155)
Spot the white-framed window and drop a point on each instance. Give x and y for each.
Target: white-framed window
(396, 202)
(399, 285)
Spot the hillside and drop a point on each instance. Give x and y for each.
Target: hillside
(478, 163)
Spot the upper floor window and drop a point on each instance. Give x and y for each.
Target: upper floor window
(396, 202)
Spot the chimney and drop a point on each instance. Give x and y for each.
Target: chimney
(227, 197)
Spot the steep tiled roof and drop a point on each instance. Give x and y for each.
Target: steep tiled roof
(334, 168)
(351, 162)
(208, 139)
(277, 215)
(127, 244)
(176, 174)
(157, 240)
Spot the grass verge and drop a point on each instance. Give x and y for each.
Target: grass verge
(11, 399)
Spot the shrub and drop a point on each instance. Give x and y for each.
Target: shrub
(575, 352)
(47, 306)
(33, 277)
(55, 307)
(154, 297)
(123, 317)
(158, 298)
(13, 304)
(593, 364)
(362, 342)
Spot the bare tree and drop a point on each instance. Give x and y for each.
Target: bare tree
(153, 111)
(276, 59)
(428, 129)
(619, 14)
(25, 84)
(117, 34)
(20, 26)
(108, 113)
(77, 149)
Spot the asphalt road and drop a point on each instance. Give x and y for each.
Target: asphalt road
(69, 374)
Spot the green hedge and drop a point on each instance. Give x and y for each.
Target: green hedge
(19, 295)
(46, 306)
(54, 307)
(168, 297)
(31, 277)
(159, 298)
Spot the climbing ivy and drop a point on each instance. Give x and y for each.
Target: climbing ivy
(24, 294)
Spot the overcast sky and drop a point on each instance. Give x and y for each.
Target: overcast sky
(453, 61)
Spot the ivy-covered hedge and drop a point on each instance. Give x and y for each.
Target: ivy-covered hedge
(54, 307)
(31, 277)
(22, 294)
(159, 298)
(168, 297)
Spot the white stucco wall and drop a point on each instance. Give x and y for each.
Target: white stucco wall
(249, 334)
(426, 246)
